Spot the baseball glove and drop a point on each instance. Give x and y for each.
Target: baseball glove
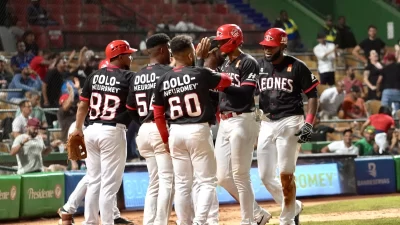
(76, 148)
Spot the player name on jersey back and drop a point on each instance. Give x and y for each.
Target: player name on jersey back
(107, 90)
(141, 90)
(178, 85)
(184, 94)
(105, 83)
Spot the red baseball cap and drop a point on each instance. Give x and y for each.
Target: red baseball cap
(33, 122)
(63, 98)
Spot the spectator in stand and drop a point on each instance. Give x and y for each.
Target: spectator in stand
(186, 25)
(17, 30)
(166, 25)
(326, 54)
(6, 75)
(350, 81)
(397, 50)
(37, 111)
(53, 82)
(371, 74)
(42, 62)
(87, 64)
(29, 148)
(142, 45)
(371, 43)
(345, 38)
(25, 82)
(331, 100)
(367, 144)
(52, 85)
(353, 105)
(389, 80)
(30, 44)
(382, 122)
(37, 15)
(291, 29)
(67, 111)
(342, 147)
(329, 30)
(22, 57)
(320, 131)
(19, 123)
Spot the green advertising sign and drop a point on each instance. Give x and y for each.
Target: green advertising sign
(10, 191)
(397, 166)
(42, 194)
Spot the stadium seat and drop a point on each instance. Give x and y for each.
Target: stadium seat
(154, 2)
(70, 8)
(54, 10)
(221, 8)
(146, 9)
(214, 19)
(72, 19)
(74, 2)
(183, 8)
(199, 19)
(233, 18)
(167, 9)
(53, 2)
(91, 9)
(74, 41)
(372, 107)
(203, 8)
(109, 27)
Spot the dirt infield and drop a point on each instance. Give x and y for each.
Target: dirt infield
(230, 214)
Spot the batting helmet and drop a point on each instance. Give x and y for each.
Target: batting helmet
(231, 32)
(274, 37)
(104, 63)
(118, 47)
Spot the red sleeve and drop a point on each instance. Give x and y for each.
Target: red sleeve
(159, 118)
(225, 82)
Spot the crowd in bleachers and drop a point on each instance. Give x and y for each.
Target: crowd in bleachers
(46, 80)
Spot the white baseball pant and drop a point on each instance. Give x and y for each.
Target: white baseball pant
(106, 148)
(158, 202)
(192, 153)
(234, 152)
(77, 196)
(277, 144)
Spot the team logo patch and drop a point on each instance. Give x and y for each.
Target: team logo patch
(235, 33)
(219, 33)
(269, 38)
(57, 191)
(13, 192)
(289, 68)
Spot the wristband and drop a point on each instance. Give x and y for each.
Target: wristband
(310, 118)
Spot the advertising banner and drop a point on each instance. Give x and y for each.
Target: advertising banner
(10, 192)
(42, 194)
(72, 178)
(375, 175)
(397, 165)
(311, 180)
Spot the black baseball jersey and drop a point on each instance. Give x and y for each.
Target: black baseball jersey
(107, 90)
(141, 90)
(281, 87)
(184, 94)
(244, 71)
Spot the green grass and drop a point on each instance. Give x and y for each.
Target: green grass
(355, 205)
(387, 221)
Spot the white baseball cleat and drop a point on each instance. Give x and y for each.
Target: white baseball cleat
(212, 223)
(297, 217)
(264, 218)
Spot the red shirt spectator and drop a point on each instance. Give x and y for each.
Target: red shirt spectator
(381, 122)
(36, 65)
(350, 80)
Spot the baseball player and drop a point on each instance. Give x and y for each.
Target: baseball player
(237, 131)
(182, 94)
(158, 202)
(104, 95)
(77, 196)
(281, 82)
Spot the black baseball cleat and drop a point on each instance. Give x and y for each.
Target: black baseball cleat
(124, 221)
(66, 217)
(297, 219)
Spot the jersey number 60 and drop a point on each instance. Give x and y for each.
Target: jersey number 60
(190, 102)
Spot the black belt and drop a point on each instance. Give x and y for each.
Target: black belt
(104, 124)
(149, 121)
